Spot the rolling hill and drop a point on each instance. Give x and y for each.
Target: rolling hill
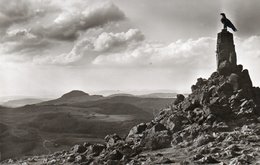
(21, 102)
(74, 96)
(73, 118)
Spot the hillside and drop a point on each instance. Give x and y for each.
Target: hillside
(159, 95)
(21, 102)
(73, 118)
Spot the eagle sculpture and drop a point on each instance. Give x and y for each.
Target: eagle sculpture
(227, 23)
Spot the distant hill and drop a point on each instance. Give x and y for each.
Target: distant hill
(74, 93)
(71, 97)
(149, 95)
(159, 95)
(149, 102)
(21, 102)
(121, 94)
(133, 92)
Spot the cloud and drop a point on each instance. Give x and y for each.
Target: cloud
(68, 24)
(21, 12)
(249, 48)
(22, 42)
(89, 48)
(45, 31)
(107, 41)
(13, 11)
(185, 58)
(56, 33)
(191, 53)
(248, 54)
(60, 19)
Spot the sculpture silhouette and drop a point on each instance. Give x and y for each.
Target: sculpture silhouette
(227, 23)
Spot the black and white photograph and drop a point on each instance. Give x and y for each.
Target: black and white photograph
(129, 82)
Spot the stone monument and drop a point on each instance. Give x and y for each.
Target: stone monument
(226, 54)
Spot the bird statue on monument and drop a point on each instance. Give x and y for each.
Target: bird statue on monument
(227, 23)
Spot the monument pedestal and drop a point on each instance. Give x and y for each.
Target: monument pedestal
(226, 54)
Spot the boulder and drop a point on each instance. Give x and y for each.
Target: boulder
(179, 99)
(197, 157)
(96, 149)
(245, 80)
(71, 158)
(127, 150)
(225, 89)
(208, 160)
(213, 76)
(217, 110)
(78, 149)
(187, 105)
(112, 139)
(193, 88)
(140, 128)
(239, 68)
(176, 140)
(201, 82)
(158, 127)
(212, 91)
(114, 155)
(163, 160)
(157, 140)
(174, 122)
(86, 144)
(80, 158)
(203, 139)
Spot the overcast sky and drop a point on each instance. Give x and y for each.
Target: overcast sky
(49, 47)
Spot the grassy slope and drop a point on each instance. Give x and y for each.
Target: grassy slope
(39, 129)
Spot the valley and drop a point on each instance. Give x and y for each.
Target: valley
(56, 125)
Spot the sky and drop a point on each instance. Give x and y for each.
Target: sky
(50, 47)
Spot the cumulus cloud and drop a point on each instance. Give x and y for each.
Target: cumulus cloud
(179, 53)
(199, 52)
(65, 23)
(68, 24)
(22, 42)
(46, 30)
(90, 47)
(184, 57)
(107, 41)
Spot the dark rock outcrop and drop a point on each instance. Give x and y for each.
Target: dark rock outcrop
(179, 99)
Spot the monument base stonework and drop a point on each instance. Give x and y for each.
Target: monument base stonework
(226, 54)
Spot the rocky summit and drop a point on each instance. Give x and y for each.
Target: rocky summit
(218, 123)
